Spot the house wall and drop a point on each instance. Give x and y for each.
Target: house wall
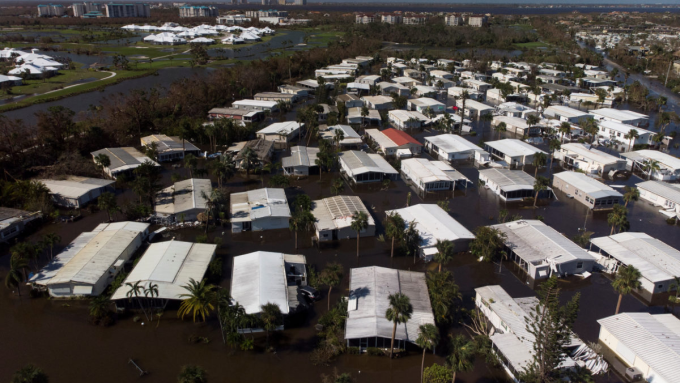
(297, 171)
(624, 354)
(658, 200)
(270, 223)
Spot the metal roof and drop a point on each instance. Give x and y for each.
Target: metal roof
(259, 203)
(75, 187)
(564, 111)
(535, 241)
(623, 128)
(124, 158)
(656, 260)
(400, 137)
(618, 114)
(508, 180)
(370, 288)
(588, 185)
(336, 212)
(513, 147)
(425, 171)
(169, 265)
(433, 223)
(361, 162)
(90, 255)
(262, 103)
(664, 159)
(508, 310)
(259, 278)
(351, 137)
(284, 128)
(591, 154)
(668, 191)
(655, 339)
(301, 156)
(166, 143)
(452, 143)
(183, 196)
(476, 105)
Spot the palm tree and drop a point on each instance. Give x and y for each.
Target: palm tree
(337, 186)
(16, 273)
(249, 160)
(627, 279)
(564, 129)
(50, 240)
(199, 299)
(486, 118)
(190, 162)
(501, 127)
(427, 340)
(224, 169)
(331, 276)
(650, 167)
(359, 224)
(102, 161)
(338, 136)
(30, 374)
(462, 356)
(631, 194)
(464, 96)
(301, 220)
(192, 374)
(271, 318)
(99, 306)
(538, 161)
(532, 120)
(554, 145)
(540, 184)
(394, 229)
(618, 217)
(398, 312)
(364, 114)
(107, 202)
(212, 200)
(444, 253)
(632, 136)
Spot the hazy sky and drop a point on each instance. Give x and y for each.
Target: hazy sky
(504, 2)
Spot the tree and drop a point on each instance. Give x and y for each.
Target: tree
(301, 220)
(398, 312)
(50, 240)
(618, 217)
(337, 186)
(16, 272)
(224, 168)
(651, 166)
(551, 326)
(212, 201)
(99, 307)
(271, 318)
(147, 182)
(364, 114)
(464, 96)
(437, 374)
(338, 136)
(538, 161)
(30, 374)
(107, 202)
(190, 162)
(564, 129)
(249, 160)
(444, 295)
(444, 253)
(359, 224)
(554, 145)
(394, 229)
(462, 356)
(533, 120)
(279, 181)
(199, 299)
(630, 194)
(632, 135)
(331, 276)
(102, 161)
(487, 243)
(192, 374)
(428, 338)
(627, 279)
(540, 184)
(501, 127)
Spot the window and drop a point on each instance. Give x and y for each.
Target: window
(660, 286)
(579, 265)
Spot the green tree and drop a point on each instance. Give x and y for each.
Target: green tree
(553, 145)
(626, 281)
(337, 186)
(651, 166)
(249, 160)
(444, 253)
(224, 169)
(428, 337)
(500, 127)
(102, 161)
(540, 185)
(147, 183)
(630, 194)
(564, 129)
(398, 312)
(16, 272)
(487, 243)
(30, 374)
(50, 240)
(632, 135)
(199, 299)
(99, 306)
(359, 224)
(190, 162)
(301, 220)
(437, 374)
(462, 355)
(108, 203)
(618, 217)
(192, 374)
(538, 162)
(331, 276)
(279, 181)
(394, 229)
(271, 318)
(444, 295)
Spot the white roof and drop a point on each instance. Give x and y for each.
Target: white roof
(361, 162)
(426, 101)
(183, 196)
(668, 191)
(617, 114)
(478, 83)
(169, 265)
(286, 128)
(259, 203)
(513, 147)
(91, 254)
(664, 159)
(656, 260)
(622, 128)
(165, 143)
(507, 179)
(261, 103)
(476, 105)
(588, 185)
(336, 212)
(75, 187)
(124, 158)
(202, 40)
(259, 278)
(453, 143)
(424, 171)
(369, 290)
(405, 115)
(655, 339)
(590, 153)
(301, 156)
(535, 241)
(512, 121)
(564, 111)
(433, 223)
(377, 99)
(350, 135)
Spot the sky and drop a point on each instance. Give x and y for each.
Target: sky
(506, 2)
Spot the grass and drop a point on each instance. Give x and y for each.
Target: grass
(534, 44)
(64, 78)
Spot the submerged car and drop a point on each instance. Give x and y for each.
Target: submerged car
(310, 292)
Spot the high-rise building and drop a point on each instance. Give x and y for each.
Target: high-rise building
(127, 10)
(300, 2)
(282, 2)
(45, 10)
(365, 18)
(390, 18)
(198, 11)
(454, 20)
(477, 20)
(85, 9)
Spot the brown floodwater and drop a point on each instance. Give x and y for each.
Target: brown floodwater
(57, 336)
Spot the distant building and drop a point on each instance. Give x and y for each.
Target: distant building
(13, 222)
(414, 20)
(233, 20)
(198, 11)
(267, 12)
(83, 9)
(365, 18)
(477, 21)
(300, 2)
(391, 18)
(127, 10)
(453, 20)
(47, 10)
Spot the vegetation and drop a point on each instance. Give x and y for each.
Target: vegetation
(444, 296)
(394, 229)
(398, 312)
(30, 374)
(331, 276)
(192, 374)
(199, 300)
(428, 338)
(359, 224)
(462, 355)
(626, 281)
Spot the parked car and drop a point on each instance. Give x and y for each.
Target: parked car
(311, 293)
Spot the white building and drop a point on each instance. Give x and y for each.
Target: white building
(627, 117)
(425, 103)
(169, 266)
(617, 131)
(565, 113)
(434, 224)
(404, 119)
(479, 86)
(170, 148)
(76, 192)
(333, 218)
(542, 251)
(587, 190)
(370, 288)
(457, 92)
(281, 133)
(350, 137)
(256, 105)
(378, 102)
(658, 263)
(92, 261)
(393, 142)
(452, 147)
(123, 160)
(513, 109)
(512, 151)
(260, 209)
(661, 194)
(475, 108)
(588, 159)
(13, 222)
(516, 125)
(647, 342)
(302, 159)
(430, 176)
(669, 166)
(511, 185)
(362, 167)
(183, 201)
(46, 10)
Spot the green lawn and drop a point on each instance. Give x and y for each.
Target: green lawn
(64, 78)
(535, 44)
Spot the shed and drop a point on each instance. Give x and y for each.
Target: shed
(260, 209)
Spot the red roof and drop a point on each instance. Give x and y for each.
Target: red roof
(399, 137)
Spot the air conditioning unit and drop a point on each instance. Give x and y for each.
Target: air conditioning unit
(633, 374)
